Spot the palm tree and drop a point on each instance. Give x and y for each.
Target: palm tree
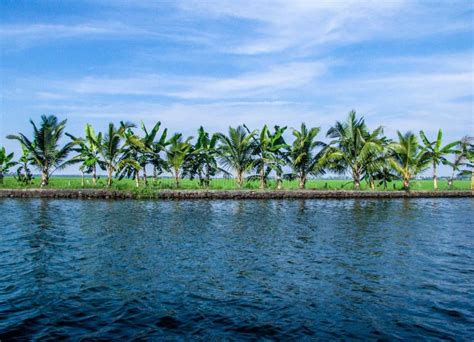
(236, 151)
(44, 148)
(111, 148)
(303, 158)
(461, 155)
(268, 148)
(88, 149)
(133, 157)
(6, 162)
(176, 154)
(436, 153)
(202, 161)
(408, 157)
(352, 146)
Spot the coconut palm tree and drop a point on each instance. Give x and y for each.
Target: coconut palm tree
(304, 159)
(269, 154)
(133, 155)
(408, 158)
(176, 154)
(111, 148)
(46, 154)
(202, 161)
(352, 146)
(6, 162)
(236, 151)
(88, 149)
(436, 153)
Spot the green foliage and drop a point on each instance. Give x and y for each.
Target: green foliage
(6, 162)
(236, 151)
(263, 156)
(304, 160)
(354, 148)
(45, 152)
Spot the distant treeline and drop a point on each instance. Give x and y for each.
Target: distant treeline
(126, 151)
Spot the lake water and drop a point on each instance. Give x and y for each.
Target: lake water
(328, 269)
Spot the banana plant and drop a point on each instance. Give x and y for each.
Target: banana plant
(6, 162)
(202, 161)
(88, 153)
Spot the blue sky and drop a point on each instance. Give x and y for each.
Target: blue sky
(406, 65)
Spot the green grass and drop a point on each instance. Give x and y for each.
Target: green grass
(60, 182)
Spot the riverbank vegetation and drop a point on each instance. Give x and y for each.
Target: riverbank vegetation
(241, 158)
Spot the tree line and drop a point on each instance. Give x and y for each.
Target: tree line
(125, 150)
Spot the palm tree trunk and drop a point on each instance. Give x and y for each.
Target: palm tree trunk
(109, 175)
(239, 178)
(1, 177)
(82, 178)
(435, 177)
(137, 178)
(176, 176)
(372, 183)
(406, 183)
(279, 181)
(262, 177)
(44, 177)
(302, 182)
(94, 175)
(356, 178)
(155, 173)
(145, 179)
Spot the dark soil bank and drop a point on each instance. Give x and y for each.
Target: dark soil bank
(223, 194)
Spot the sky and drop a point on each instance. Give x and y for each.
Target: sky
(405, 65)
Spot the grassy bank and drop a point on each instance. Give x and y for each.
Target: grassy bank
(60, 182)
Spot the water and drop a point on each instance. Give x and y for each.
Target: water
(328, 269)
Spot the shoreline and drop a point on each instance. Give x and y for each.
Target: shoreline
(226, 194)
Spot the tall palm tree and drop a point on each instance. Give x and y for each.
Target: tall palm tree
(353, 144)
(436, 153)
(236, 151)
(408, 158)
(176, 154)
(6, 162)
(268, 147)
(202, 161)
(88, 149)
(46, 154)
(304, 159)
(111, 148)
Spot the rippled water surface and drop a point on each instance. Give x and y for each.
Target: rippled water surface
(388, 269)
